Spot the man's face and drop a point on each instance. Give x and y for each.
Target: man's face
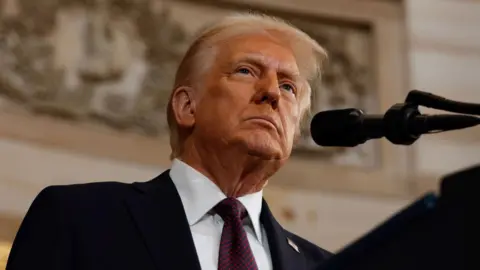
(250, 97)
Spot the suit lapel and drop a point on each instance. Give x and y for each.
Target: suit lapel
(284, 252)
(158, 213)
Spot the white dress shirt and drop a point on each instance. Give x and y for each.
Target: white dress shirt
(199, 195)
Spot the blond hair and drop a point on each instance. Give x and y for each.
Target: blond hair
(308, 53)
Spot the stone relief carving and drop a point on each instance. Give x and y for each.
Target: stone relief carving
(112, 62)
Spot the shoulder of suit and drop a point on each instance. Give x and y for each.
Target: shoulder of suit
(89, 187)
(97, 192)
(306, 247)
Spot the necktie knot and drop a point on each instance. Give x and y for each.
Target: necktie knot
(230, 208)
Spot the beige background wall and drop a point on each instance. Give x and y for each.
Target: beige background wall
(444, 58)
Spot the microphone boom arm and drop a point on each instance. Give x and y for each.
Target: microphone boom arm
(440, 103)
(402, 124)
(397, 128)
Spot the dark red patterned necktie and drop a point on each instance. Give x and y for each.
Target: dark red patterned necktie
(235, 252)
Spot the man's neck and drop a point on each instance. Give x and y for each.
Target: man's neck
(234, 171)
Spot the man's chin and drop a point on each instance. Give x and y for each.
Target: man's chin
(262, 148)
(265, 153)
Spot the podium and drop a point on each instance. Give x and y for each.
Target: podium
(430, 233)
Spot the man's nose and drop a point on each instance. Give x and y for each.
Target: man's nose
(268, 91)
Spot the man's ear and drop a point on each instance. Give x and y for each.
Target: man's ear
(183, 106)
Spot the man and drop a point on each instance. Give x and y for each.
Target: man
(238, 99)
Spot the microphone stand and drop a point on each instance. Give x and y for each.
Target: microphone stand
(397, 129)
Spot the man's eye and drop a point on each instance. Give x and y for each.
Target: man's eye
(245, 71)
(288, 87)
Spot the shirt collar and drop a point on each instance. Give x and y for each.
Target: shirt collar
(199, 195)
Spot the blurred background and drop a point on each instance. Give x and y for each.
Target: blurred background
(84, 84)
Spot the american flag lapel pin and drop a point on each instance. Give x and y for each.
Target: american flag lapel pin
(293, 245)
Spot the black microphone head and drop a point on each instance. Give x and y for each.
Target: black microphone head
(341, 128)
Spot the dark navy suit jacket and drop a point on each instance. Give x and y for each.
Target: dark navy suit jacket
(118, 226)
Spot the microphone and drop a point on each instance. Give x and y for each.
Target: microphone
(402, 124)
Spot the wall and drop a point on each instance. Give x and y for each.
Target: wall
(445, 60)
